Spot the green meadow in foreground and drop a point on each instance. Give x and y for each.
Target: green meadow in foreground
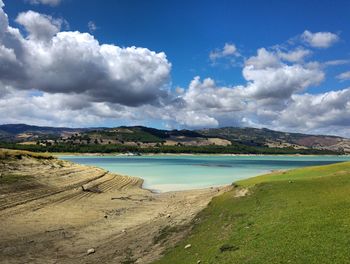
(298, 216)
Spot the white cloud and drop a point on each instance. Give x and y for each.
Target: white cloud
(280, 82)
(57, 109)
(50, 77)
(336, 62)
(76, 63)
(195, 120)
(320, 39)
(45, 2)
(38, 26)
(228, 50)
(263, 59)
(207, 96)
(268, 77)
(344, 76)
(297, 55)
(271, 85)
(328, 112)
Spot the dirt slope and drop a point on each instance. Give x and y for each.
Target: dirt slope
(54, 211)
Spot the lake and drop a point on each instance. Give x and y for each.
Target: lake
(169, 173)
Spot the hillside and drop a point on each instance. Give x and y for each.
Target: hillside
(271, 138)
(298, 216)
(23, 132)
(144, 139)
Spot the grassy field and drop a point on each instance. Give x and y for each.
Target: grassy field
(299, 216)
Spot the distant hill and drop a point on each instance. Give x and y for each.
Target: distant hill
(145, 137)
(271, 138)
(23, 132)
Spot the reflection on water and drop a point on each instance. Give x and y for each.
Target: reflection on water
(167, 173)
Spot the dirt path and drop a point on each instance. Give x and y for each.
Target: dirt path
(68, 209)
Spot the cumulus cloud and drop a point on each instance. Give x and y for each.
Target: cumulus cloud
(38, 26)
(297, 55)
(344, 76)
(207, 95)
(263, 59)
(328, 112)
(195, 120)
(57, 109)
(45, 2)
(72, 62)
(269, 77)
(274, 81)
(320, 39)
(54, 77)
(228, 50)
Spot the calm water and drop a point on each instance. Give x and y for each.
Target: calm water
(165, 173)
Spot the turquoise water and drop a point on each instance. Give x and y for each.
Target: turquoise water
(168, 173)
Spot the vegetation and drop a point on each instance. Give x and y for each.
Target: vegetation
(257, 136)
(135, 136)
(14, 178)
(167, 231)
(144, 139)
(299, 216)
(19, 154)
(235, 148)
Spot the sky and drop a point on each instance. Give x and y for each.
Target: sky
(283, 65)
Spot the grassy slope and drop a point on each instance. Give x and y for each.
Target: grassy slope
(299, 216)
(18, 154)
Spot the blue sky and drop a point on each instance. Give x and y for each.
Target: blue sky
(187, 32)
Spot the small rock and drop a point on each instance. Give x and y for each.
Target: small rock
(290, 181)
(188, 246)
(106, 216)
(123, 231)
(199, 262)
(168, 215)
(90, 251)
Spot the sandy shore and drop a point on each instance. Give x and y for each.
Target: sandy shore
(66, 209)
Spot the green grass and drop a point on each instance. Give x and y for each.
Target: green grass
(299, 216)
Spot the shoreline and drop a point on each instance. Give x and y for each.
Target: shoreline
(117, 154)
(92, 208)
(167, 189)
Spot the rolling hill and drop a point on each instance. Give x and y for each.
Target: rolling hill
(243, 139)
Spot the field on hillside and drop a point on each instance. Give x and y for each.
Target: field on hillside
(298, 216)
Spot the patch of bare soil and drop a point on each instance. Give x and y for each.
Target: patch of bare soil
(68, 213)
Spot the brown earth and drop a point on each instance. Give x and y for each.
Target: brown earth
(54, 211)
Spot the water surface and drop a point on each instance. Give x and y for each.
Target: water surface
(168, 173)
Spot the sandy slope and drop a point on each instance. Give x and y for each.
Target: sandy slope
(51, 219)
